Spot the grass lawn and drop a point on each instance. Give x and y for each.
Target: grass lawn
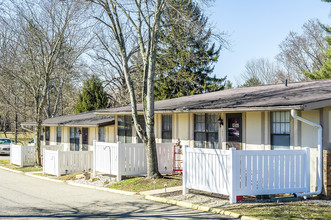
(22, 137)
(139, 184)
(288, 210)
(6, 163)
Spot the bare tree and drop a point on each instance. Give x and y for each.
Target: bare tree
(262, 71)
(303, 53)
(45, 43)
(136, 23)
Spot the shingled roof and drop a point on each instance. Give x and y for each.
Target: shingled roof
(85, 119)
(301, 95)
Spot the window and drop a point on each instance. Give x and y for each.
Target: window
(280, 130)
(141, 121)
(206, 130)
(47, 135)
(166, 128)
(74, 139)
(101, 133)
(58, 135)
(84, 138)
(124, 130)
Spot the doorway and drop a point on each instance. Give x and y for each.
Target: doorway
(234, 130)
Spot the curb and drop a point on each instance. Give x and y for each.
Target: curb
(11, 170)
(196, 206)
(43, 178)
(103, 189)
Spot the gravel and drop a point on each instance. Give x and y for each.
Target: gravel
(100, 180)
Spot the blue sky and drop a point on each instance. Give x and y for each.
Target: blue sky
(256, 28)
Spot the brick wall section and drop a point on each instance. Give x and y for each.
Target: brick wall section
(327, 173)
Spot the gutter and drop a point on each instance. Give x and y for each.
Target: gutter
(22, 126)
(320, 155)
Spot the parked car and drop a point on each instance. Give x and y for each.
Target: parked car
(5, 145)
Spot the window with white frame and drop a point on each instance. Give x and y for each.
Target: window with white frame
(166, 128)
(206, 130)
(280, 130)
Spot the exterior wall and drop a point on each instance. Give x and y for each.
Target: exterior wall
(254, 134)
(52, 138)
(183, 128)
(308, 138)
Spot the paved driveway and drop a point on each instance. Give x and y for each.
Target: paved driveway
(4, 157)
(27, 197)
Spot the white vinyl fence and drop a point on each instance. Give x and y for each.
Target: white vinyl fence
(129, 159)
(66, 162)
(26, 155)
(250, 172)
(22, 155)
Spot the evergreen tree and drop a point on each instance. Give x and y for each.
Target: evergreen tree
(93, 96)
(186, 55)
(325, 71)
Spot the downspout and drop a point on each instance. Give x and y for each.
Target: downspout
(320, 155)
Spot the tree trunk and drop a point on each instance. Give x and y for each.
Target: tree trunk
(37, 143)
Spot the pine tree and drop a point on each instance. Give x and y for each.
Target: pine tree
(186, 55)
(93, 96)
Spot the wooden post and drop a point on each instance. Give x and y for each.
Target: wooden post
(185, 189)
(94, 158)
(232, 175)
(119, 176)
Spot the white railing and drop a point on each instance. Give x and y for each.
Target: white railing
(66, 162)
(22, 155)
(249, 172)
(129, 159)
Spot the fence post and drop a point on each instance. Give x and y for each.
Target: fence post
(94, 158)
(58, 163)
(11, 153)
(185, 189)
(44, 161)
(119, 175)
(307, 149)
(232, 175)
(21, 154)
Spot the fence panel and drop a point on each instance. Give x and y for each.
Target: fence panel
(282, 169)
(106, 157)
(22, 155)
(165, 157)
(132, 159)
(249, 172)
(207, 170)
(15, 155)
(51, 162)
(29, 155)
(75, 161)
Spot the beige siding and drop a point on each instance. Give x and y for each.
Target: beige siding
(308, 132)
(91, 136)
(52, 138)
(309, 139)
(254, 131)
(183, 132)
(112, 134)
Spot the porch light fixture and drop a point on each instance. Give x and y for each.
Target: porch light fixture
(79, 131)
(220, 120)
